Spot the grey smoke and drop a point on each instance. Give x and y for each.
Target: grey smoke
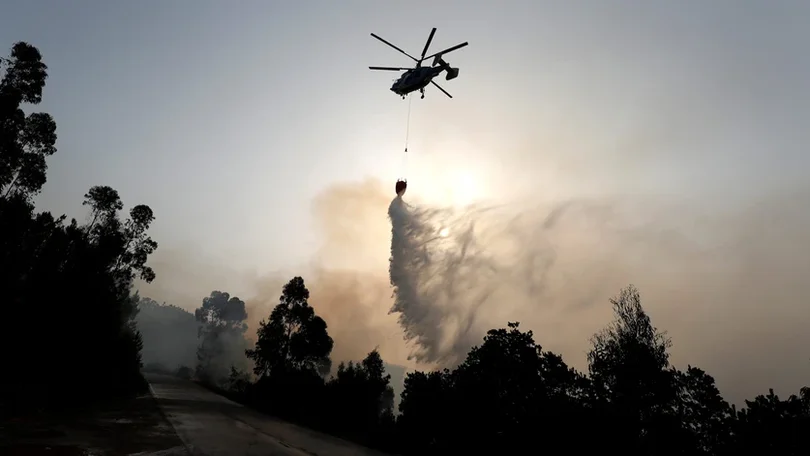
(727, 281)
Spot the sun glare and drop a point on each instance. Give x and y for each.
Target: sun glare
(463, 189)
(447, 177)
(444, 232)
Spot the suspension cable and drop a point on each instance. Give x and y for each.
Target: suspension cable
(404, 165)
(408, 123)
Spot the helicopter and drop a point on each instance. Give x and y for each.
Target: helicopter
(418, 77)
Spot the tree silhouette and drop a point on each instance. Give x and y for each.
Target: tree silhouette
(629, 368)
(360, 397)
(509, 393)
(291, 357)
(221, 333)
(427, 409)
(77, 279)
(769, 425)
(500, 393)
(380, 393)
(294, 338)
(25, 141)
(703, 412)
(104, 204)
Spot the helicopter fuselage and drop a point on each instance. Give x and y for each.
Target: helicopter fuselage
(415, 79)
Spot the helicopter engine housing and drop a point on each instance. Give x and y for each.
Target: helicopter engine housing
(452, 73)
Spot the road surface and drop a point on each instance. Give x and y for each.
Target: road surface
(211, 425)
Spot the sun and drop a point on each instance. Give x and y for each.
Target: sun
(456, 183)
(464, 188)
(444, 232)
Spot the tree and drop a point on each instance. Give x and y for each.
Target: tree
(104, 203)
(501, 393)
(78, 279)
(128, 242)
(427, 412)
(360, 397)
(503, 375)
(629, 368)
(381, 402)
(97, 341)
(138, 245)
(294, 338)
(25, 141)
(770, 425)
(703, 412)
(221, 334)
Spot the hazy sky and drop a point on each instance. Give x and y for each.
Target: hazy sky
(226, 116)
(229, 118)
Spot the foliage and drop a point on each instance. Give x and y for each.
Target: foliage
(86, 347)
(516, 385)
(631, 376)
(221, 337)
(294, 339)
(769, 425)
(509, 392)
(291, 356)
(25, 141)
(360, 397)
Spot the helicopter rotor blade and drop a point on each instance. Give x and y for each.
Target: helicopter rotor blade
(458, 46)
(440, 88)
(398, 49)
(387, 68)
(427, 45)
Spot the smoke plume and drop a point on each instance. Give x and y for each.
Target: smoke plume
(728, 286)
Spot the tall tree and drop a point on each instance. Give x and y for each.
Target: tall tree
(365, 388)
(127, 243)
(84, 351)
(221, 333)
(294, 338)
(629, 367)
(25, 141)
(428, 412)
(380, 392)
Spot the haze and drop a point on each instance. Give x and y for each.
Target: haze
(676, 132)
